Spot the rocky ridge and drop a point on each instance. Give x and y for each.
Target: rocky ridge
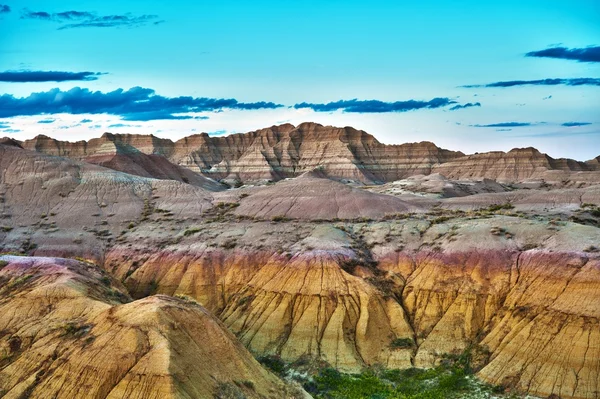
(285, 151)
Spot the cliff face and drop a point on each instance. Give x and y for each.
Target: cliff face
(287, 151)
(516, 165)
(272, 153)
(70, 331)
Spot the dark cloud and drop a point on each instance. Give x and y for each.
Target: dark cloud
(4, 9)
(467, 105)
(135, 104)
(85, 19)
(4, 125)
(573, 124)
(376, 106)
(504, 130)
(11, 130)
(47, 76)
(47, 121)
(85, 121)
(547, 98)
(505, 124)
(587, 54)
(542, 82)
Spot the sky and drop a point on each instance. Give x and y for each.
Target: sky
(468, 75)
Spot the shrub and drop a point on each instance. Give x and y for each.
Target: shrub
(273, 363)
(279, 218)
(227, 390)
(6, 229)
(402, 343)
(105, 280)
(191, 231)
(3, 263)
(75, 330)
(499, 207)
(229, 244)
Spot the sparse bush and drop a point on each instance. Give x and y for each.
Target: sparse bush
(6, 229)
(105, 280)
(273, 363)
(75, 330)
(229, 244)
(191, 231)
(402, 343)
(499, 207)
(279, 218)
(3, 263)
(228, 390)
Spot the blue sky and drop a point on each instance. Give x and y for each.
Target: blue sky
(412, 58)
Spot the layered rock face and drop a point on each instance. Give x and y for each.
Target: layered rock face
(516, 165)
(272, 153)
(287, 151)
(69, 331)
(132, 154)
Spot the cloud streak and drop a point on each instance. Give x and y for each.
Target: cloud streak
(467, 105)
(47, 76)
(135, 104)
(541, 82)
(575, 124)
(86, 19)
(506, 124)
(587, 54)
(375, 106)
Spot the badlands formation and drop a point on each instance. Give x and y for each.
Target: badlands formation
(152, 268)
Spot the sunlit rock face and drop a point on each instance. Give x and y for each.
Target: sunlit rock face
(69, 330)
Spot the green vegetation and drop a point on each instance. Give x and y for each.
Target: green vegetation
(499, 207)
(229, 244)
(75, 330)
(105, 280)
(3, 263)
(6, 229)
(273, 363)
(402, 343)
(191, 231)
(453, 378)
(279, 218)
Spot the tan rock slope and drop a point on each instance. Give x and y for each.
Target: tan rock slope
(286, 151)
(68, 331)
